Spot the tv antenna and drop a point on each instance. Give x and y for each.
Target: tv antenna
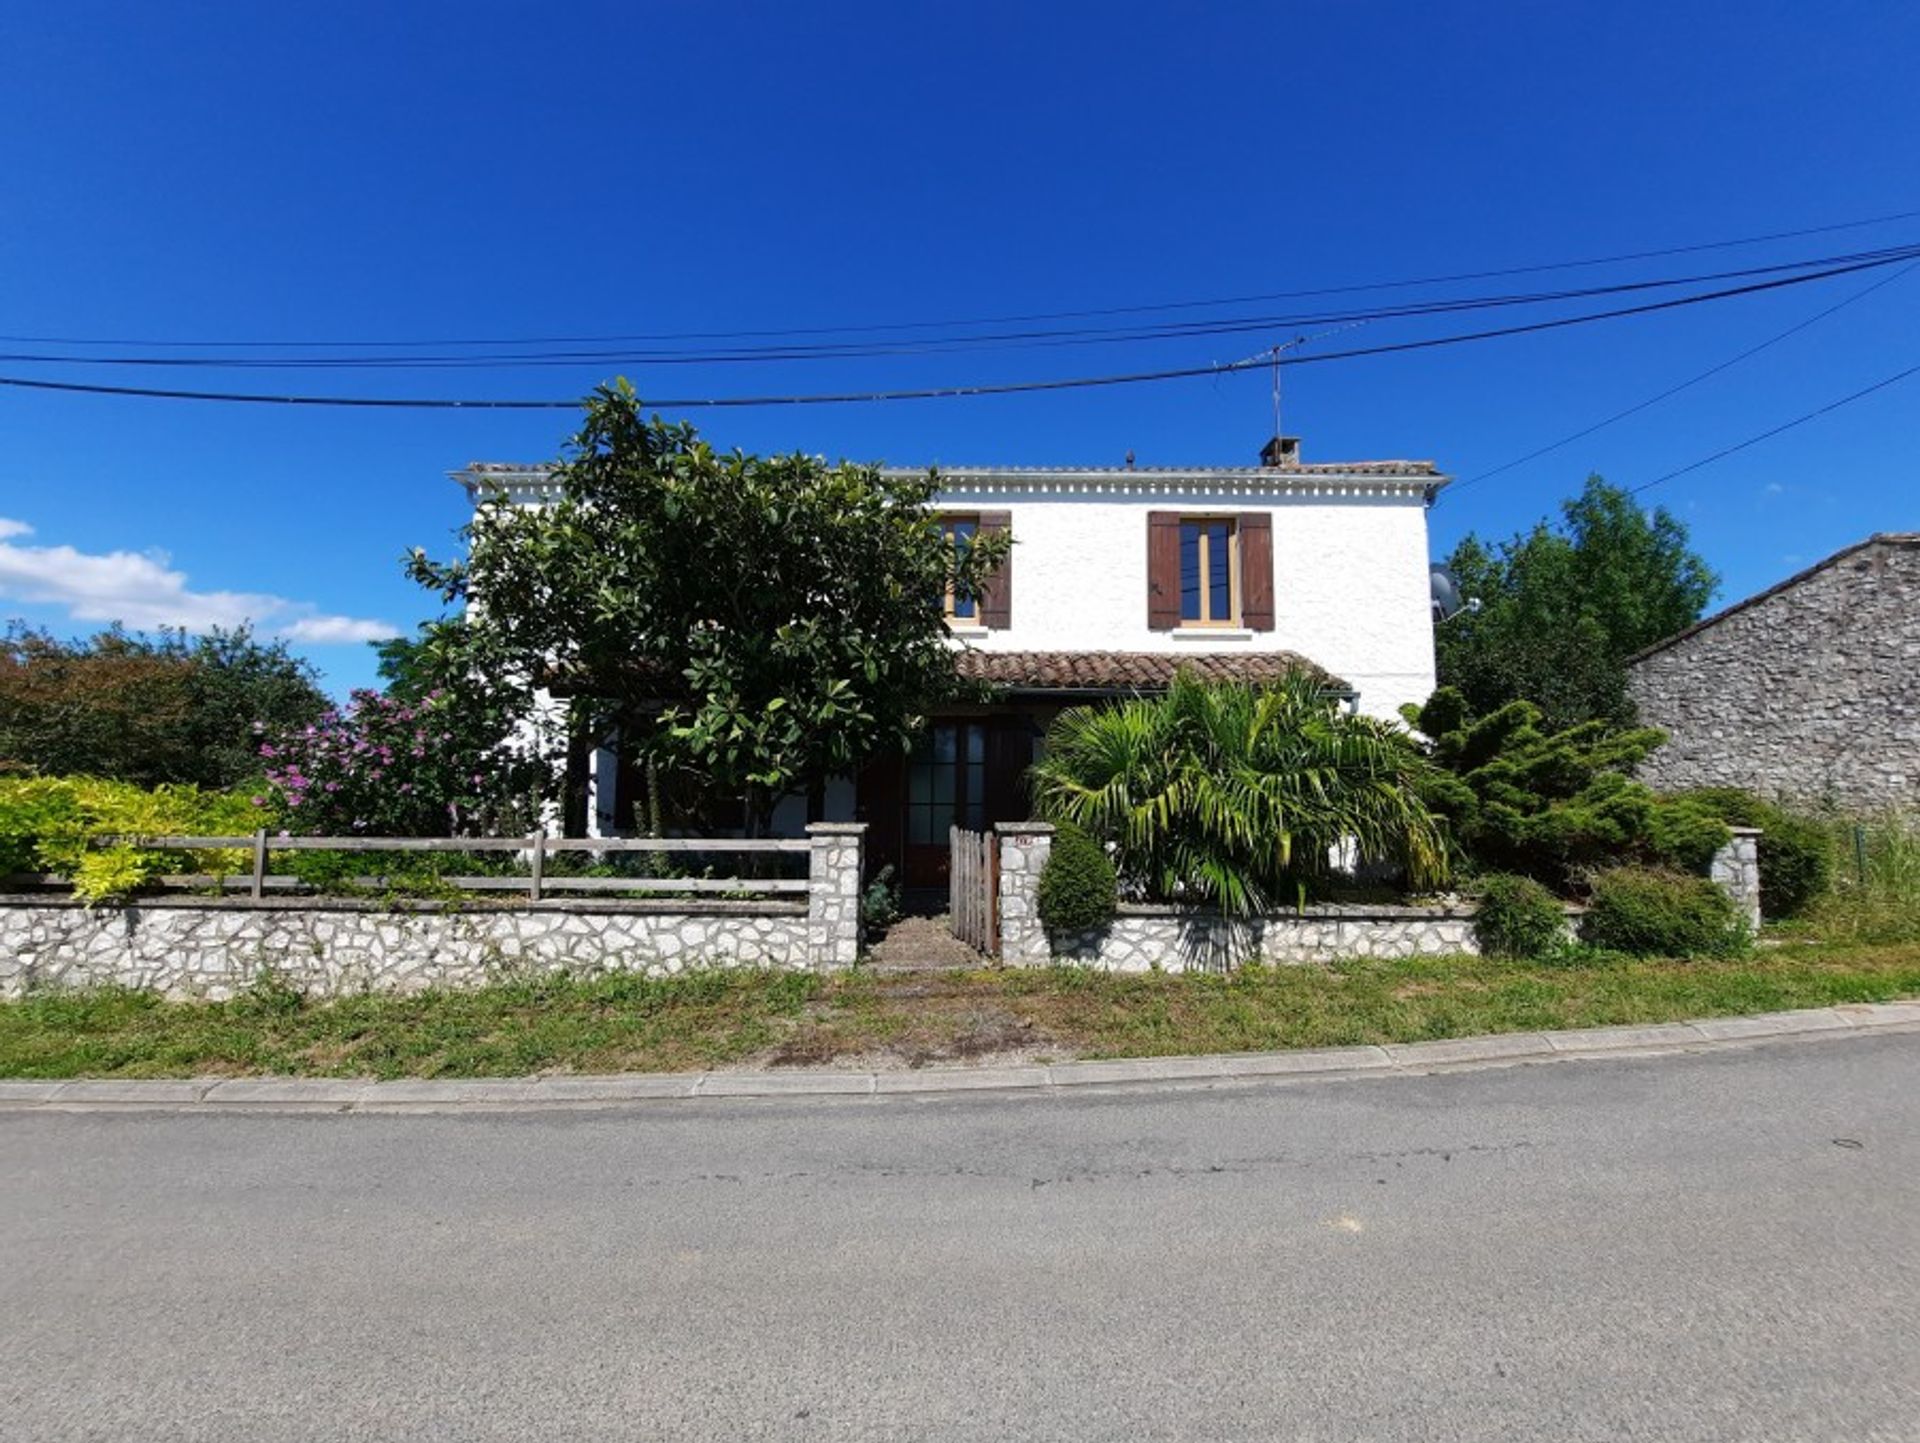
(1275, 352)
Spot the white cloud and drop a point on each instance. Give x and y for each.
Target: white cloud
(143, 591)
(332, 630)
(1773, 488)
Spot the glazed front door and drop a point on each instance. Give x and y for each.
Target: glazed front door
(946, 785)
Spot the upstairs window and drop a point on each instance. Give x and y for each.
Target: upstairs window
(958, 532)
(1209, 572)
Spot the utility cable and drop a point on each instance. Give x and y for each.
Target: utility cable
(948, 392)
(938, 345)
(1767, 435)
(1690, 382)
(1035, 316)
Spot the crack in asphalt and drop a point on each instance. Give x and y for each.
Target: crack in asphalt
(1234, 1167)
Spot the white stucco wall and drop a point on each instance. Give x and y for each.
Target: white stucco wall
(1349, 576)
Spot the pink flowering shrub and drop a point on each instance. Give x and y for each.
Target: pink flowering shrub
(386, 767)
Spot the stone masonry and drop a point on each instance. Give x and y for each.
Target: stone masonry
(1808, 691)
(1180, 939)
(1736, 867)
(1024, 849)
(189, 947)
(215, 947)
(833, 893)
(1187, 939)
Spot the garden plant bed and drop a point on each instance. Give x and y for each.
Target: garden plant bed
(754, 1019)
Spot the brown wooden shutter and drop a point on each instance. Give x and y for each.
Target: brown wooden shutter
(996, 597)
(1163, 570)
(1256, 570)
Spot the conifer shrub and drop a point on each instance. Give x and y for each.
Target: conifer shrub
(1653, 912)
(1078, 888)
(1553, 806)
(1518, 919)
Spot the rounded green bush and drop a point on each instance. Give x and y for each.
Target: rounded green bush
(1518, 919)
(1796, 851)
(1078, 889)
(1646, 912)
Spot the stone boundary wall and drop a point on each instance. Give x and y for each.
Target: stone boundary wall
(1181, 939)
(215, 947)
(1184, 940)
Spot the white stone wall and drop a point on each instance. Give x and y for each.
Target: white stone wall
(1178, 940)
(192, 947)
(833, 894)
(1349, 576)
(213, 949)
(1024, 848)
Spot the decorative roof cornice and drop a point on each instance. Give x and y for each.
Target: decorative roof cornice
(1377, 478)
(520, 481)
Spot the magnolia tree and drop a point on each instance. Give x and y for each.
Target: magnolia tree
(388, 766)
(761, 623)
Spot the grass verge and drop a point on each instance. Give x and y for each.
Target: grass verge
(716, 1019)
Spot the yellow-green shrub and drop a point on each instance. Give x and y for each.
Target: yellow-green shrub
(48, 824)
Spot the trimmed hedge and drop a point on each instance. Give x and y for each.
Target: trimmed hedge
(1647, 912)
(1078, 889)
(1518, 919)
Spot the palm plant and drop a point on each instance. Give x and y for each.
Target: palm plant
(1237, 795)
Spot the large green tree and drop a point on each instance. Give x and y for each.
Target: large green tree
(1562, 608)
(762, 623)
(147, 709)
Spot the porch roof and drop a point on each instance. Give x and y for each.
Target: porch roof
(1130, 671)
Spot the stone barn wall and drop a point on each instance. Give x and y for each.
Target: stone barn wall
(1809, 691)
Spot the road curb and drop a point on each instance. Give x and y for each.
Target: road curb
(337, 1095)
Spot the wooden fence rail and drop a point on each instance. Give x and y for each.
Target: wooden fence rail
(537, 847)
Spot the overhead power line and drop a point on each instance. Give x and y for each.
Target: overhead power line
(953, 392)
(1185, 330)
(1021, 318)
(1770, 433)
(1687, 384)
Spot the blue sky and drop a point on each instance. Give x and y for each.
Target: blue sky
(415, 171)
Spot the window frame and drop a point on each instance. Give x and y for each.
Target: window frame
(947, 521)
(1232, 621)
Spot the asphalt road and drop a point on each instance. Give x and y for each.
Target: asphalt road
(1721, 1246)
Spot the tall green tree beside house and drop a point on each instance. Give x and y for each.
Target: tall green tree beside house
(1562, 608)
(762, 623)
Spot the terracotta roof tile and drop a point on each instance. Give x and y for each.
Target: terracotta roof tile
(1129, 670)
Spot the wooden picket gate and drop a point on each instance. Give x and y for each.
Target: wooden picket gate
(974, 888)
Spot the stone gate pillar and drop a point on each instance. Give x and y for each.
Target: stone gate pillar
(1736, 868)
(833, 892)
(1024, 849)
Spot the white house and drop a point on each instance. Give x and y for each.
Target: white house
(1119, 576)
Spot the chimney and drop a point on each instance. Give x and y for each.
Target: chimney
(1282, 453)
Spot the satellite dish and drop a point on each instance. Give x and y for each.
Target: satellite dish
(1447, 600)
